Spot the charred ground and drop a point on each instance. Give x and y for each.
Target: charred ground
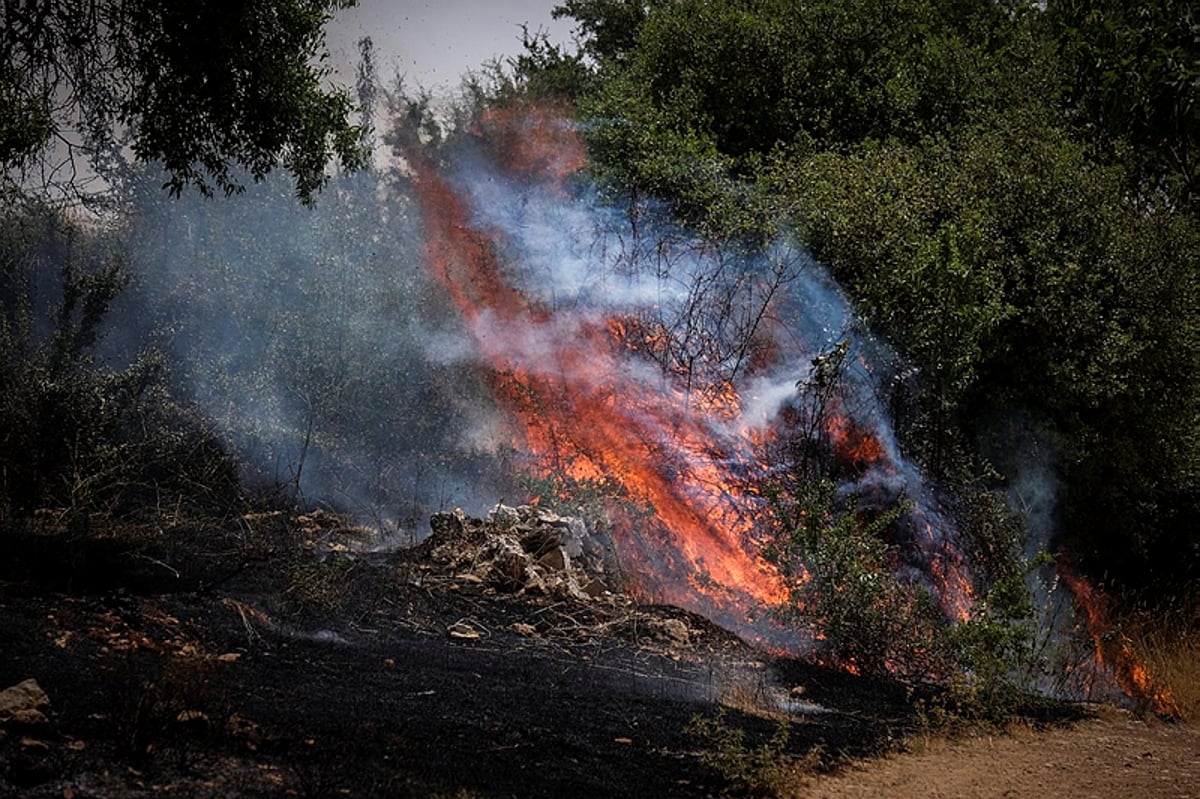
(261, 658)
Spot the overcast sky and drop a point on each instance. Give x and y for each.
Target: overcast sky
(435, 42)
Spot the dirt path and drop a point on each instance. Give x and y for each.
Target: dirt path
(1112, 756)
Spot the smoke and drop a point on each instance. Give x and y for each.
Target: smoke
(345, 369)
(1064, 663)
(670, 349)
(317, 346)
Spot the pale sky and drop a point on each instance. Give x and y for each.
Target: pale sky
(434, 42)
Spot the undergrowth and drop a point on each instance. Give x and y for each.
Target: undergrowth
(766, 770)
(1166, 639)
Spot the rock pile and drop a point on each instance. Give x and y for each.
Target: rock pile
(522, 549)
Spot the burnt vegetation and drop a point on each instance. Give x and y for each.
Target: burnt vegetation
(211, 408)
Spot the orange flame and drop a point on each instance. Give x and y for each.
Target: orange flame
(1114, 649)
(536, 141)
(948, 571)
(666, 445)
(563, 381)
(853, 445)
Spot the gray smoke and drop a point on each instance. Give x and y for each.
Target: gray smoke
(314, 342)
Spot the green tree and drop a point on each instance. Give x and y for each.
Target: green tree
(210, 90)
(1008, 266)
(1135, 69)
(607, 28)
(702, 93)
(1007, 190)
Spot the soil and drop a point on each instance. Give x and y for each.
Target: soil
(239, 660)
(1112, 755)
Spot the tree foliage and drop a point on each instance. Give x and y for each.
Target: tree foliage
(210, 90)
(1136, 69)
(1007, 189)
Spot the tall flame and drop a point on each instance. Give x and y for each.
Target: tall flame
(596, 394)
(599, 392)
(564, 380)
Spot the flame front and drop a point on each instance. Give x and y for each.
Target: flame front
(599, 391)
(581, 414)
(599, 394)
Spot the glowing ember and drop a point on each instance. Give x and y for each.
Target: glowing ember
(947, 569)
(856, 447)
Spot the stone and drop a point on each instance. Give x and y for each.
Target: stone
(24, 704)
(593, 588)
(463, 631)
(505, 564)
(504, 516)
(556, 559)
(448, 524)
(577, 533)
(672, 631)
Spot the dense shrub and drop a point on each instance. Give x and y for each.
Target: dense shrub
(76, 433)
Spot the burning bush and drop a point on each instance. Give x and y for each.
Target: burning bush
(869, 618)
(886, 583)
(863, 616)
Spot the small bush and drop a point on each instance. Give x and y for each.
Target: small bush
(74, 433)
(864, 617)
(765, 770)
(853, 568)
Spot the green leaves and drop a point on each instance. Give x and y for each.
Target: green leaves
(1136, 70)
(210, 91)
(1007, 190)
(863, 616)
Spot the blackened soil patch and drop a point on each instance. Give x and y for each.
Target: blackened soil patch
(188, 668)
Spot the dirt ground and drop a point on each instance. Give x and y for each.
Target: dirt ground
(1112, 755)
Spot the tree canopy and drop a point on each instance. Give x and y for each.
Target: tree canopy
(211, 90)
(1007, 189)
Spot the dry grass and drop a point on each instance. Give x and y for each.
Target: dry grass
(1167, 640)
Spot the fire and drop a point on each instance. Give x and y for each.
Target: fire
(602, 394)
(599, 394)
(565, 381)
(948, 571)
(535, 141)
(854, 446)
(1113, 649)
